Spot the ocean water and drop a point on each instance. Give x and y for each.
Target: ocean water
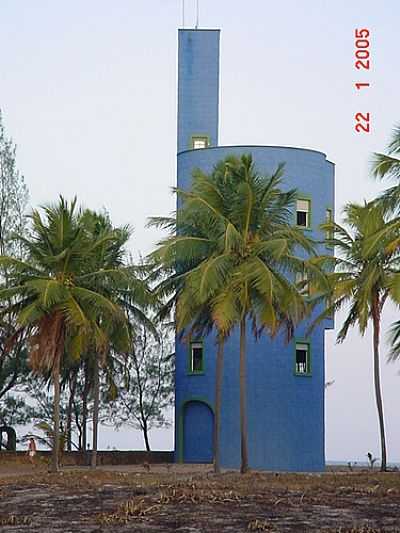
(361, 464)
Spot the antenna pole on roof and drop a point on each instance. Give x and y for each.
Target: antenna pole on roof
(197, 14)
(183, 13)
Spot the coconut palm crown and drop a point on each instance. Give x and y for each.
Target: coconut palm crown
(387, 167)
(50, 293)
(109, 274)
(367, 273)
(235, 251)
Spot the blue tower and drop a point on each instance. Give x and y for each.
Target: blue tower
(285, 392)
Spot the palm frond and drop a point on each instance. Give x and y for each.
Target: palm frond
(394, 341)
(50, 292)
(385, 166)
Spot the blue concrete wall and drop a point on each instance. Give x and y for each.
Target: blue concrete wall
(285, 411)
(198, 86)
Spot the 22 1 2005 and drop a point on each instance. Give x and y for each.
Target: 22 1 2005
(362, 61)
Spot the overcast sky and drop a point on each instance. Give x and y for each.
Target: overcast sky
(88, 91)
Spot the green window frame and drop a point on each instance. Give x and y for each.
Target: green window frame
(196, 357)
(303, 212)
(202, 141)
(302, 358)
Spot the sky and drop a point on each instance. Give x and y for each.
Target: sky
(88, 92)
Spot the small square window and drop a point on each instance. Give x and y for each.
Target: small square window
(303, 365)
(302, 283)
(303, 213)
(199, 142)
(196, 363)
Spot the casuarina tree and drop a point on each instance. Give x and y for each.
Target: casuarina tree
(13, 205)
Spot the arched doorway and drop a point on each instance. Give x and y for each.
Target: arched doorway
(198, 429)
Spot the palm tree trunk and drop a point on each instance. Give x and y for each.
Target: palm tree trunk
(96, 395)
(243, 410)
(85, 395)
(377, 383)
(78, 424)
(56, 405)
(69, 411)
(56, 414)
(218, 403)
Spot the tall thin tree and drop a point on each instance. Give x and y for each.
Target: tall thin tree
(13, 205)
(48, 294)
(367, 273)
(235, 252)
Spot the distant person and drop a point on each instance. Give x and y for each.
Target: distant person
(31, 450)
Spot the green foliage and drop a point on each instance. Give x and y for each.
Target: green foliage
(41, 402)
(52, 291)
(387, 167)
(367, 266)
(367, 273)
(235, 250)
(143, 387)
(15, 411)
(121, 284)
(233, 259)
(13, 196)
(13, 203)
(46, 435)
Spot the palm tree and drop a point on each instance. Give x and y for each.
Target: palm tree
(109, 260)
(197, 319)
(111, 275)
(234, 252)
(387, 166)
(174, 260)
(49, 293)
(367, 273)
(199, 324)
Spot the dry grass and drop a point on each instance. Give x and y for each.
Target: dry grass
(196, 493)
(81, 478)
(181, 493)
(363, 529)
(261, 525)
(126, 511)
(292, 492)
(13, 520)
(161, 500)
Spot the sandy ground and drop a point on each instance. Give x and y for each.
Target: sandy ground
(191, 499)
